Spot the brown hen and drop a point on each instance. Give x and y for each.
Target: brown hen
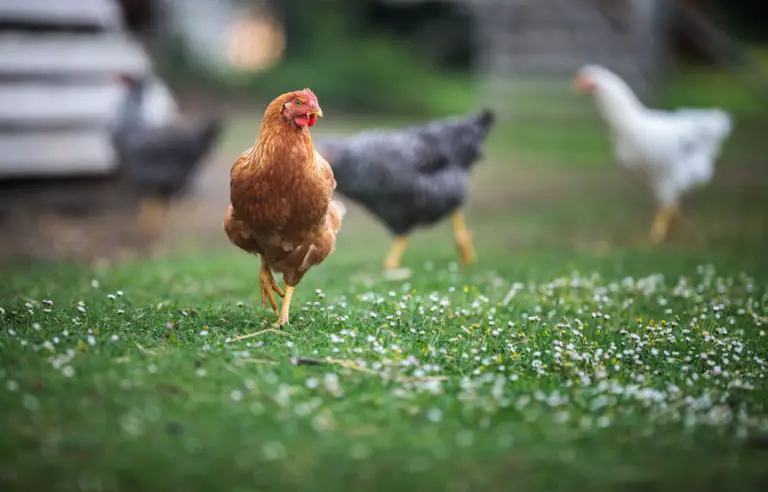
(280, 194)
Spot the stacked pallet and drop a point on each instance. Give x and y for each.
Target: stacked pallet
(58, 91)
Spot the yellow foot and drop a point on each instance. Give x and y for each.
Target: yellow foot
(658, 235)
(467, 254)
(269, 288)
(282, 320)
(662, 222)
(396, 253)
(463, 240)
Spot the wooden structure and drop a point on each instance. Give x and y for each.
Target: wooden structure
(541, 37)
(58, 91)
(542, 42)
(527, 50)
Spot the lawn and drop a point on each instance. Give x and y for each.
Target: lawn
(572, 356)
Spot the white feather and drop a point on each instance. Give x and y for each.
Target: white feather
(340, 207)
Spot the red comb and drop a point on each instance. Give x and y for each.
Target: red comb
(311, 95)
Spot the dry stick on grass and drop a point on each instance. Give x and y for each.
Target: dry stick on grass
(145, 350)
(250, 335)
(422, 379)
(259, 361)
(352, 365)
(241, 362)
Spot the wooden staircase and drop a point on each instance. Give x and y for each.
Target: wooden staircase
(528, 50)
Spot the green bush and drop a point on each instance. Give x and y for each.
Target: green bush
(371, 75)
(348, 66)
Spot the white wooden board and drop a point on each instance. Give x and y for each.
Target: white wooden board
(37, 154)
(33, 104)
(37, 104)
(25, 54)
(100, 13)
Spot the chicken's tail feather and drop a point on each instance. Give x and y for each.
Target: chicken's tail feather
(714, 124)
(711, 128)
(486, 117)
(212, 129)
(201, 141)
(720, 124)
(208, 134)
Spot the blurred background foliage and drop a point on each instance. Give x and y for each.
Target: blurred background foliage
(354, 51)
(420, 54)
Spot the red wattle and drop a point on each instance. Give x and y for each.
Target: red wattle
(312, 120)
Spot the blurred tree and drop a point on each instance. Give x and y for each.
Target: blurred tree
(439, 30)
(313, 23)
(747, 17)
(436, 30)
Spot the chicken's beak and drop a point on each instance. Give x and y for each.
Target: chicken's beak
(583, 84)
(317, 111)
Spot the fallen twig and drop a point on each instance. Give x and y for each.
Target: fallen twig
(352, 365)
(145, 350)
(307, 361)
(349, 364)
(422, 379)
(267, 330)
(258, 361)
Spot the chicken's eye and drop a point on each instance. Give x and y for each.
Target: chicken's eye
(298, 103)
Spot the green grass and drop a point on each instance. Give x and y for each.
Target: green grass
(134, 378)
(572, 356)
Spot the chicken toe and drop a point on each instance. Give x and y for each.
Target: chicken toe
(268, 287)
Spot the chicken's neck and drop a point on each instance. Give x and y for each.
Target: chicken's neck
(619, 106)
(281, 141)
(129, 115)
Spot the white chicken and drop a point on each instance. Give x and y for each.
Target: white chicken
(676, 150)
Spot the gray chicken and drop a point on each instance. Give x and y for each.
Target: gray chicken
(158, 160)
(412, 177)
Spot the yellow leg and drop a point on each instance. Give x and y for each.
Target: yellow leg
(661, 223)
(463, 239)
(284, 310)
(268, 287)
(393, 258)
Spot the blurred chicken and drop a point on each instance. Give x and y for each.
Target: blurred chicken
(280, 193)
(675, 149)
(159, 157)
(413, 176)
